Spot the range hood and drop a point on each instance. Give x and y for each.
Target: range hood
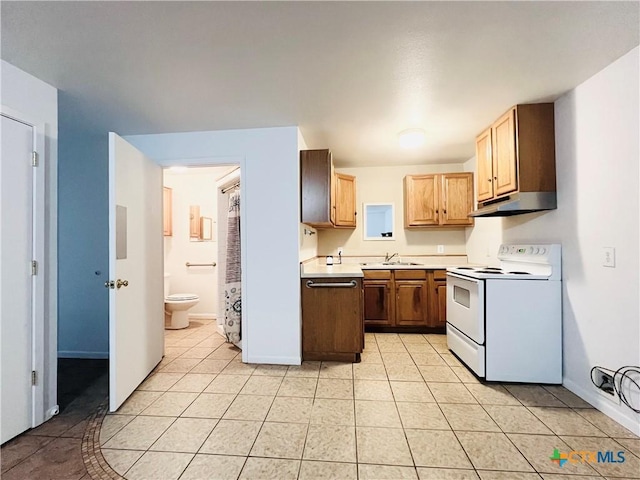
(517, 204)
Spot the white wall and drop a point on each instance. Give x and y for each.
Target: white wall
(197, 186)
(597, 156)
(35, 101)
(385, 185)
(270, 210)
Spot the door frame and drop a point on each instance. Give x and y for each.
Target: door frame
(39, 286)
(221, 161)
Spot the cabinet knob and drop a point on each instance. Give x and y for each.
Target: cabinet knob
(444, 211)
(495, 178)
(489, 180)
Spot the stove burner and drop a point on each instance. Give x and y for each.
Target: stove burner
(492, 268)
(490, 271)
(519, 273)
(465, 268)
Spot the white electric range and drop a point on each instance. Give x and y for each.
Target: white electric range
(505, 323)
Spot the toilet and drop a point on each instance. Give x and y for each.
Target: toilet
(176, 307)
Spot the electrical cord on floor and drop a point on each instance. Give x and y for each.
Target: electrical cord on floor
(621, 377)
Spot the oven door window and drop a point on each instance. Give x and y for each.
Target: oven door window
(461, 296)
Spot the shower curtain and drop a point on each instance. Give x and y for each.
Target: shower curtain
(232, 286)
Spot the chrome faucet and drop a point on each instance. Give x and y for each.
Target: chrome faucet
(388, 258)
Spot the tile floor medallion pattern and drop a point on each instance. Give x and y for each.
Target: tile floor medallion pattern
(409, 410)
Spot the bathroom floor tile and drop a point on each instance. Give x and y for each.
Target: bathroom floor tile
(405, 373)
(336, 370)
(160, 382)
(305, 370)
(369, 371)
(451, 393)
(170, 404)
(210, 366)
(181, 365)
(426, 473)
(111, 424)
(564, 421)
(492, 394)
(438, 374)
(377, 414)
(137, 402)
(534, 396)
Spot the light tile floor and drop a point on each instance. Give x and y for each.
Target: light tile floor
(410, 410)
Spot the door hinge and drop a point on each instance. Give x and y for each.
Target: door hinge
(34, 158)
(34, 267)
(34, 377)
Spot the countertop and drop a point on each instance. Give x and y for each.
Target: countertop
(353, 267)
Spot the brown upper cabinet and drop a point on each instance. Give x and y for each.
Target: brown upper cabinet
(328, 199)
(517, 153)
(438, 200)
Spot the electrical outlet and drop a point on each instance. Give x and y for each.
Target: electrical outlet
(440, 248)
(604, 381)
(609, 257)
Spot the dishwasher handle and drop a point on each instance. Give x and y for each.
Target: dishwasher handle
(351, 284)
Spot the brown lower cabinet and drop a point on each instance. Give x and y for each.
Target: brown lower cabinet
(332, 322)
(403, 300)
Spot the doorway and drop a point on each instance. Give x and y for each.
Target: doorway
(195, 228)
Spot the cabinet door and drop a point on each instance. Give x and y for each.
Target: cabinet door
(505, 175)
(345, 200)
(485, 166)
(457, 199)
(378, 302)
(420, 201)
(411, 302)
(439, 305)
(331, 316)
(167, 212)
(316, 188)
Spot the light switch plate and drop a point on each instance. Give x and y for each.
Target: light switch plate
(440, 248)
(608, 257)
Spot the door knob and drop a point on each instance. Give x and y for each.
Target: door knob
(110, 284)
(122, 283)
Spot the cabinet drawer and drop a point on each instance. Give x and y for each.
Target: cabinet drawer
(377, 274)
(439, 274)
(410, 274)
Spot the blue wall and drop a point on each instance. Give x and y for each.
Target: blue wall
(83, 236)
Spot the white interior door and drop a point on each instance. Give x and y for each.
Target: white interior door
(16, 279)
(136, 264)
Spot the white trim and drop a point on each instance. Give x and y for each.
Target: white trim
(274, 360)
(76, 354)
(203, 316)
(605, 406)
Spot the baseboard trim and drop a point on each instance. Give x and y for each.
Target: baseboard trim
(203, 316)
(276, 360)
(606, 406)
(75, 354)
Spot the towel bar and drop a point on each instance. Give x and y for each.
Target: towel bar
(212, 264)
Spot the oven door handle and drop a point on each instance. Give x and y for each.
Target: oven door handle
(466, 279)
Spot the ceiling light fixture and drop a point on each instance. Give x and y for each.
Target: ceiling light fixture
(411, 138)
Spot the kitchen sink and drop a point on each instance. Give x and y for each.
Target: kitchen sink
(391, 263)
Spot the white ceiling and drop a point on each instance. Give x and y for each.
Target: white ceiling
(350, 74)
